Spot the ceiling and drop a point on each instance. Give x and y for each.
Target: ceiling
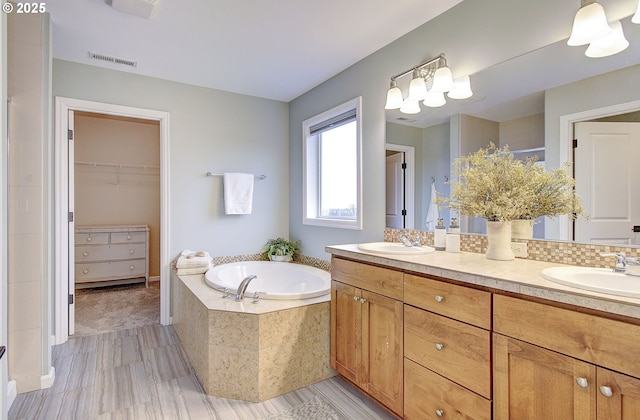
(276, 49)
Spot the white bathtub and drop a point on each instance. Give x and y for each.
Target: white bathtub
(275, 280)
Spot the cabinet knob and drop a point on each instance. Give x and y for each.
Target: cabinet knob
(582, 382)
(128, 237)
(132, 251)
(355, 298)
(85, 254)
(439, 346)
(132, 267)
(363, 300)
(439, 413)
(606, 391)
(85, 271)
(89, 238)
(439, 298)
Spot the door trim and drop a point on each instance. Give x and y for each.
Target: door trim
(61, 253)
(565, 227)
(409, 158)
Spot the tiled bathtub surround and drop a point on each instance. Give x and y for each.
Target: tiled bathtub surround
(560, 252)
(247, 351)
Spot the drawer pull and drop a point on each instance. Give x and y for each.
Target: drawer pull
(363, 300)
(132, 251)
(439, 346)
(355, 298)
(89, 238)
(439, 413)
(582, 382)
(132, 267)
(128, 237)
(85, 271)
(85, 254)
(606, 391)
(439, 298)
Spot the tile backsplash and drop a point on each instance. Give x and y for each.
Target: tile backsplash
(561, 252)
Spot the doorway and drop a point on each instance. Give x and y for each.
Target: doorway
(65, 108)
(400, 186)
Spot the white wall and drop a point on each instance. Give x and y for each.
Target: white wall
(213, 131)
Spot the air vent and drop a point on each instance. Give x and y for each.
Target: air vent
(111, 59)
(405, 119)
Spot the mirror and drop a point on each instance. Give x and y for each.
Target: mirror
(532, 117)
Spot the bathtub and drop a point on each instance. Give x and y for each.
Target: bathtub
(275, 280)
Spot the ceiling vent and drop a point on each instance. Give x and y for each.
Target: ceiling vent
(144, 8)
(114, 60)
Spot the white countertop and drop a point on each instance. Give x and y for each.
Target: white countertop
(519, 276)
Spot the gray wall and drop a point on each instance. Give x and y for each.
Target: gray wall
(210, 130)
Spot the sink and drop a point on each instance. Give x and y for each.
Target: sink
(602, 280)
(394, 248)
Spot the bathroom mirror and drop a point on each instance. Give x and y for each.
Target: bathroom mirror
(510, 106)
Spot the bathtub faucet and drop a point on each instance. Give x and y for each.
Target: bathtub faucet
(243, 286)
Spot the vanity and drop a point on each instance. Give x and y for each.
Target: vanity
(455, 335)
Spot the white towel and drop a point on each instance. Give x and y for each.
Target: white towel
(192, 259)
(433, 214)
(191, 271)
(238, 193)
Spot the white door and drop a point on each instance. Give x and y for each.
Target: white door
(395, 191)
(607, 176)
(71, 253)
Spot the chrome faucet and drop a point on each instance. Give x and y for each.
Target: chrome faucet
(407, 241)
(622, 261)
(243, 286)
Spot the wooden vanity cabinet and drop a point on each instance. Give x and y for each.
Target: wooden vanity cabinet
(366, 329)
(552, 362)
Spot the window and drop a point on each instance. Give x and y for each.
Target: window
(332, 186)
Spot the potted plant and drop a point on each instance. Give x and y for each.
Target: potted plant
(280, 249)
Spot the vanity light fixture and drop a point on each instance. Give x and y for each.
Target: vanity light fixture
(437, 72)
(589, 24)
(610, 44)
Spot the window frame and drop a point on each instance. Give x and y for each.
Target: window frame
(311, 169)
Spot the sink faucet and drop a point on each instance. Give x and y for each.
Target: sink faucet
(622, 261)
(407, 241)
(243, 286)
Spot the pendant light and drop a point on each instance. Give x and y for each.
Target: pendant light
(589, 24)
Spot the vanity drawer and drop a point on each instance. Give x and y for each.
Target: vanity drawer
(458, 351)
(110, 270)
(605, 342)
(128, 237)
(379, 280)
(462, 303)
(109, 252)
(100, 238)
(426, 394)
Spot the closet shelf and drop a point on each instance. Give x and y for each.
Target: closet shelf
(117, 165)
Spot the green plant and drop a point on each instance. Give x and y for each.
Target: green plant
(493, 184)
(280, 247)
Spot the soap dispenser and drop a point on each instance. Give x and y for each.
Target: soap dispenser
(440, 236)
(454, 227)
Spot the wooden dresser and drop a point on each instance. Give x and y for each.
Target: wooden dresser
(111, 255)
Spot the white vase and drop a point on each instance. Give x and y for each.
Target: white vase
(522, 229)
(499, 238)
(280, 258)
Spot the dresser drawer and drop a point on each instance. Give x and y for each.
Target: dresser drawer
(458, 351)
(462, 303)
(110, 270)
(428, 395)
(128, 237)
(379, 280)
(110, 252)
(100, 238)
(605, 342)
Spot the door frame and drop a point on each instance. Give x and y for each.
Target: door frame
(61, 237)
(565, 226)
(409, 179)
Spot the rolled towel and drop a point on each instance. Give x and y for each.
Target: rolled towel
(190, 259)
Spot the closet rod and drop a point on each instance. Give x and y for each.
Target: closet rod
(257, 176)
(117, 165)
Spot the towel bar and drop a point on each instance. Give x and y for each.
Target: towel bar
(257, 176)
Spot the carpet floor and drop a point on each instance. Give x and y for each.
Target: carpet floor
(105, 309)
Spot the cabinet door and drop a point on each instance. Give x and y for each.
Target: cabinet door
(382, 349)
(346, 330)
(618, 396)
(534, 383)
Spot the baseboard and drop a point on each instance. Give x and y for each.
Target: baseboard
(154, 278)
(12, 393)
(46, 381)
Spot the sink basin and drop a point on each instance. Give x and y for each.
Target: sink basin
(394, 248)
(602, 280)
